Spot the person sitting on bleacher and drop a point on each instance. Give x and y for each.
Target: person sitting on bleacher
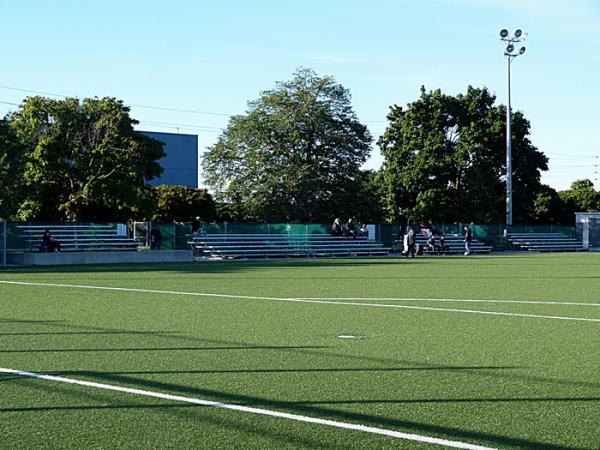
(364, 231)
(351, 229)
(427, 229)
(198, 227)
(431, 244)
(49, 244)
(336, 228)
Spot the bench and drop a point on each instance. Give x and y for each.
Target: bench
(78, 238)
(273, 245)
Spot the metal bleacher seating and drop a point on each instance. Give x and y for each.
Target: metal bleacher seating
(78, 238)
(275, 245)
(544, 242)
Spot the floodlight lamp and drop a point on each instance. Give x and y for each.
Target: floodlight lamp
(503, 33)
(518, 33)
(510, 48)
(522, 50)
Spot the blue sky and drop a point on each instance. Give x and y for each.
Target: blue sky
(214, 56)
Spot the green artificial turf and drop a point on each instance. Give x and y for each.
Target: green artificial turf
(497, 381)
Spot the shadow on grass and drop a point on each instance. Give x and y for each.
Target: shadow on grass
(160, 349)
(82, 333)
(190, 413)
(204, 267)
(482, 371)
(307, 408)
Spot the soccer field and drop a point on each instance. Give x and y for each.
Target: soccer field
(455, 352)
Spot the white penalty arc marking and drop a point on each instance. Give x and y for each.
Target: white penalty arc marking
(304, 300)
(246, 409)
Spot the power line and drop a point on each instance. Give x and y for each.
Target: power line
(151, 122)
(32, 92)
(202, 128)
(161, 108)
(172, 127)
(192, 111)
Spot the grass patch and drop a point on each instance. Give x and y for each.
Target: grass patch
(499, 381)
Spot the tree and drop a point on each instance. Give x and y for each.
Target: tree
(581, 197)
(444, 159)
(11, 170)
(294, 156)
(366, 204)
(84, 160)
(547, 206)
(181, 203)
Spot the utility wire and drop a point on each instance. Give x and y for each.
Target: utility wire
(30, 91)
(159, 108)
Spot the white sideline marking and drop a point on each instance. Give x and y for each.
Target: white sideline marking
(246, 409)
(452, 300)
(304, 300)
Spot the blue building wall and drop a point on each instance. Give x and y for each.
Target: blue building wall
(181, 161)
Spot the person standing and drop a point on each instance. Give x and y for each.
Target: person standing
(410, 243)
(443, 249)
(467, 240)
(155, 238)
(402, 222)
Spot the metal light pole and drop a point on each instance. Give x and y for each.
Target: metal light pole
(510, 54)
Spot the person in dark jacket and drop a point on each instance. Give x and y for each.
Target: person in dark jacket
(402, 223)
(351, 228)
(336, 228)
(49, 244)
(410, 243)
(443, 248)
(155, 238)
(467, 240)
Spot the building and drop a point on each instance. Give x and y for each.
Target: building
(181, 161)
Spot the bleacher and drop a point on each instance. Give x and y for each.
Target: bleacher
(283, 246)
(454, 245)
(544, 242)
(78, 238)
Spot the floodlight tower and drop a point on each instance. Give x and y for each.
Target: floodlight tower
(511, 53)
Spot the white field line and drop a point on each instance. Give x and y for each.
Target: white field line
(246, 409)
(448, 300)
(303, 300)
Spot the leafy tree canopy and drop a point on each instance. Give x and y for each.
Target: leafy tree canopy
(582, 197)
(294, 156)
(11, 170)
(181, 203)
(84, 159)
(444, 159)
